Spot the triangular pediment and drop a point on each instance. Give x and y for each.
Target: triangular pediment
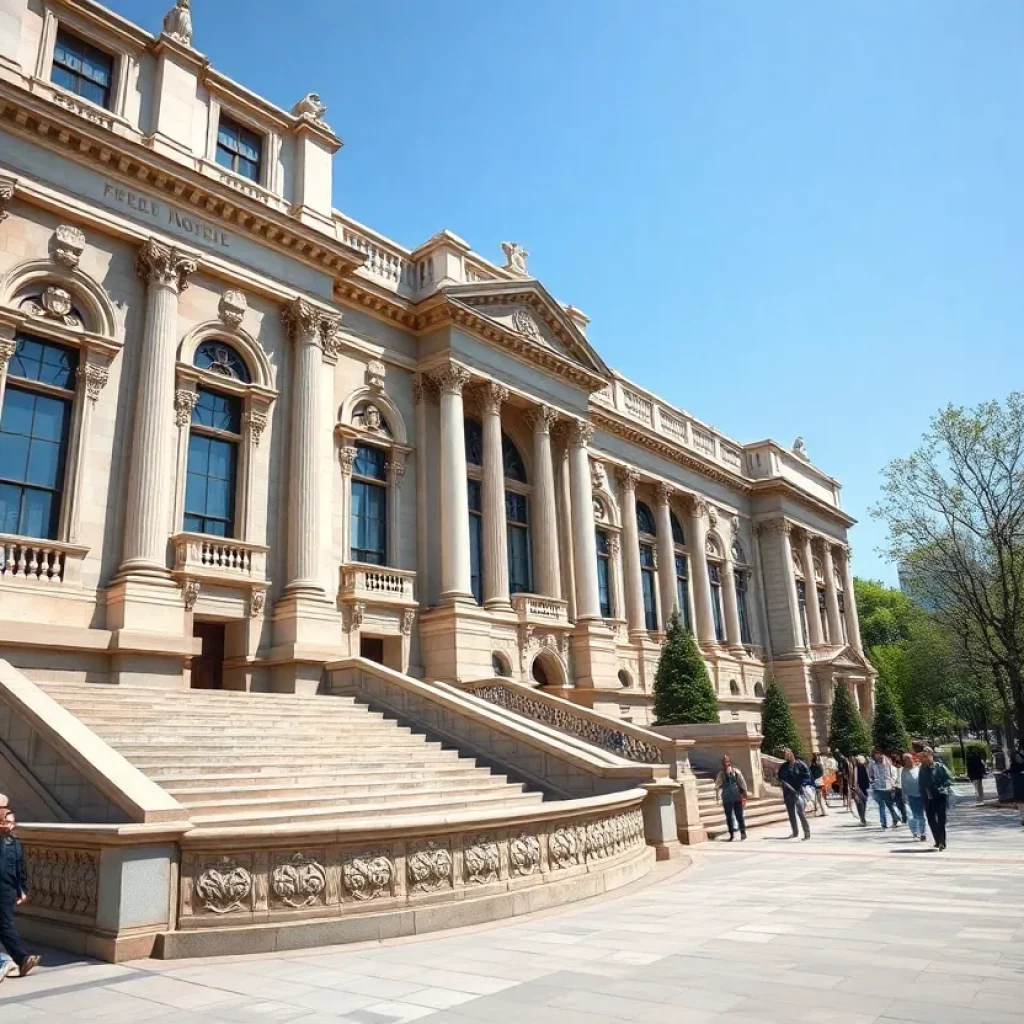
(846, 659)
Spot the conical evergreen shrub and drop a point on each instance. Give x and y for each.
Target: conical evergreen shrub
(887, 730)
(683, 694)
(777, 726)
(847, 733)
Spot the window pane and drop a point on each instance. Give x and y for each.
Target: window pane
(683, 597)
(220, 412)
(646, 556)
(13, 457)
(474, 436)
(44, 464)
(10, 508)
(518, 559)
(645, 519)
(603, 589)
(650, 605)
(371, 462)
(716, 608)
(516, 508)
(369, 523)
(225, 159)
(48, 422)
(476, 502)
(198, 454)
(602, 542)
(476, 576)
(221, 459)
(37, 514)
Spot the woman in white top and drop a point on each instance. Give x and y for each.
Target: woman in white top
(912, 794)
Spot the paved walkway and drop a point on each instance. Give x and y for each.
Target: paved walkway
(856, 926)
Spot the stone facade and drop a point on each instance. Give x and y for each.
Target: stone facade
(171, 237)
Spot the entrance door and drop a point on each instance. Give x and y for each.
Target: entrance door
(208, 667)
(372, 648)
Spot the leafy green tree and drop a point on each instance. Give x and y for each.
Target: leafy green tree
(888, 731)
(777, 725)
(847, 733)
(884, 613)
(683, 694)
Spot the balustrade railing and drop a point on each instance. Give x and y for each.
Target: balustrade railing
(387, 263)
(41, 561)
(377, 583)
(201, 555)
(530, 606)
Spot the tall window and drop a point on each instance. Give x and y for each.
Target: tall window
(715, 575)
(82, 69)
(239, 149)
(823, 613)
(34, 424)
(650, 586)
(604, 575)
(212, 476)
(370, 506)
(682, 565)
(476, 540)
(801, 599)
(517, 521)
(842, 615)
(741, 606)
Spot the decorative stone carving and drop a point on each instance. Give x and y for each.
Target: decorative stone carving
(312, 107)
(375, 370)
(367, 876)
(663, 492)
(257, 602)
(481, 860)
(396, 469)
(492, 396)
(580, 433)
(542, 419)
(564, 847)
(63, 880)
(54, 304)
(231, 308)
(330, 339)
(8, 346)
(299, 882)
(598, 476)
(430, 868)
(420, 388)
(68, 245)
(451, 378)
(352, 616)
(525, 323)
(712, 516)
(178, 23)
(184, 402)
(305, 322)
(95, 379)
(613, 544)
(224, 887)
(712, 547)
(190, 589)
(256, 422)
(699, 507)
(800, 449)
(524, 854)
(347, 457)
(628, 477)
(6, 195)
(408, 621)
(164, 266)
(515, 257)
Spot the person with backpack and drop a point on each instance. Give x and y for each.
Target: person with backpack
(794, 778)
(936, 784)
(731, 789)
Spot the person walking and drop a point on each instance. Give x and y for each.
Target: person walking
(883, 783)
(794, 776)
(817, 769)
(936, 784)
(976, 772)
(13, 892)
(861, 787)
(911, 786)
(731, 789)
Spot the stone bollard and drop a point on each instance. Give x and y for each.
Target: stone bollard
(660, 827)
(688, 821)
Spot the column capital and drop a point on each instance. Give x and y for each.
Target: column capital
(492, 396)
(541, 419)
(450, 378)
(94, 378)
(347, 456)
(330, 342)
(164, 265)
(8, 346)
(781, 526)
(699, 508)
(302, 320)
(663, 492)
(580, 433)
(256, 422)
(628, 477)
(184, 402)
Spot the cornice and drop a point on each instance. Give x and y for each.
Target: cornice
(779, 485)
(132, 163)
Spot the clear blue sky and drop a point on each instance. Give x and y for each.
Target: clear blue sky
(787, 216)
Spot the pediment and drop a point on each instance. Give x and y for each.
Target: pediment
(848, 659)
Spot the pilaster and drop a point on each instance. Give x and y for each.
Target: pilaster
(495, 529)
(544, 529)
(701, 580)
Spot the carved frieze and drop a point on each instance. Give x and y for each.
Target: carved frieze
(565, 847)
(63, 880)
(299, 882)
(224, 886)
(429, 868)
(368, 875)
(524, 854)
(481, 860)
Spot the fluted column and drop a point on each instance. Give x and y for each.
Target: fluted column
(828, 568)
(544, 526)
(615, 556)
(306, 325)
(700, 579)
(584, 539)
(423, 588)
(666, 555)
(455, 571)
(785, 531)
(165, 271)
(495, 553)
(733, 635)
(850, 602)
(633, 581)
(811, 592)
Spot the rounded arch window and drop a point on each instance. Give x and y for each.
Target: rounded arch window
(540, 676)
(369, 418)
(624, 679)
(219, 358)
(678, 537)
(758, 689)
(648, 530)
(645, 519)
(500, 665)
(734, 688)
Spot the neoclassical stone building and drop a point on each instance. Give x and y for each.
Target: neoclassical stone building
(243, 435)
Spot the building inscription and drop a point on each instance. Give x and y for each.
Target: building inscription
(143, 207)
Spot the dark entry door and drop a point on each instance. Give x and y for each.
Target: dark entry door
(372, 648)
(208, 668)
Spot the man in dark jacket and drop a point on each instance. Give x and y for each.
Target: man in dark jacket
(936, 784)
(794, 776)
(13, 892)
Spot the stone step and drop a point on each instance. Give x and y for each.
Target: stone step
(186, 778)
(425, 759)
(99, 691)
(332, 733)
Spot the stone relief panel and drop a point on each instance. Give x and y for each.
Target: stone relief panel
(430, 868)
(300, 881)
(481, 860)
(63, 880)
(367, 875)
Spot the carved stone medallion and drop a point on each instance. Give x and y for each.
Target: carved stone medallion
(481, 860)
(367, 876)
(299, 882)
(224, 887)
(524, 854)
(430, 868)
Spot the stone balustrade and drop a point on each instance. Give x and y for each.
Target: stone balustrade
(386, 263)
(219, 559)
(377, 584)
(531, 608)
(46, 562)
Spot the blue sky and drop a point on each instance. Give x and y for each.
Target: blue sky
(786, 216)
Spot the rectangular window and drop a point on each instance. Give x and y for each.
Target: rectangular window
(369, 506)
(716, 601)
(683, 590)
(239, 149)
(823, 613)
(801, 599)
(842, 616)
(650, 587)
(82, 69)
(517, 515)
(34, 426)
(604, 590)
(211, 479)
(476, 540)
(741, 607)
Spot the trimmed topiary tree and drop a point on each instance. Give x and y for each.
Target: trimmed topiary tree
(887, 730)
(847, 733)
(777, 726)
(683, 694)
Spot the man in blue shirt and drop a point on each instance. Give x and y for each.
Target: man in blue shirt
(13, 892)
(794, 776)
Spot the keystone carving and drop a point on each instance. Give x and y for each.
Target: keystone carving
(68, 245)
(231, 308)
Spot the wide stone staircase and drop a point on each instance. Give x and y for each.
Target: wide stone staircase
(237, 759)
(765, 810)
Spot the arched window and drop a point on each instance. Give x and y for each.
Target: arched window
(500, 665)
(34, 429)
(211, 480)
(758, 689)
(715, 577)
(648, 531)
(734, 688)
(742, 607)
(682, 566)
(222, 360)
(604, 573)
(369, 506)
(624, 680)
(677, 531)
(801, 598)
(841, 597)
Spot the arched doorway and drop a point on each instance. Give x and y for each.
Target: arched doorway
(547, 670)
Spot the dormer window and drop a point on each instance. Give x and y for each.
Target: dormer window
(239, 149)
(82, 69)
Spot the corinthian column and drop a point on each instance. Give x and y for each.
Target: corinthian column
(733, 634)
(699, 570)
(165, 271)
(828, 568)
(635, 619)
(811, 593)
(455, 570)
(666, 555)
(584, 540)
(544, 529)
(495, 554)
(850, 603)
(306, 326)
